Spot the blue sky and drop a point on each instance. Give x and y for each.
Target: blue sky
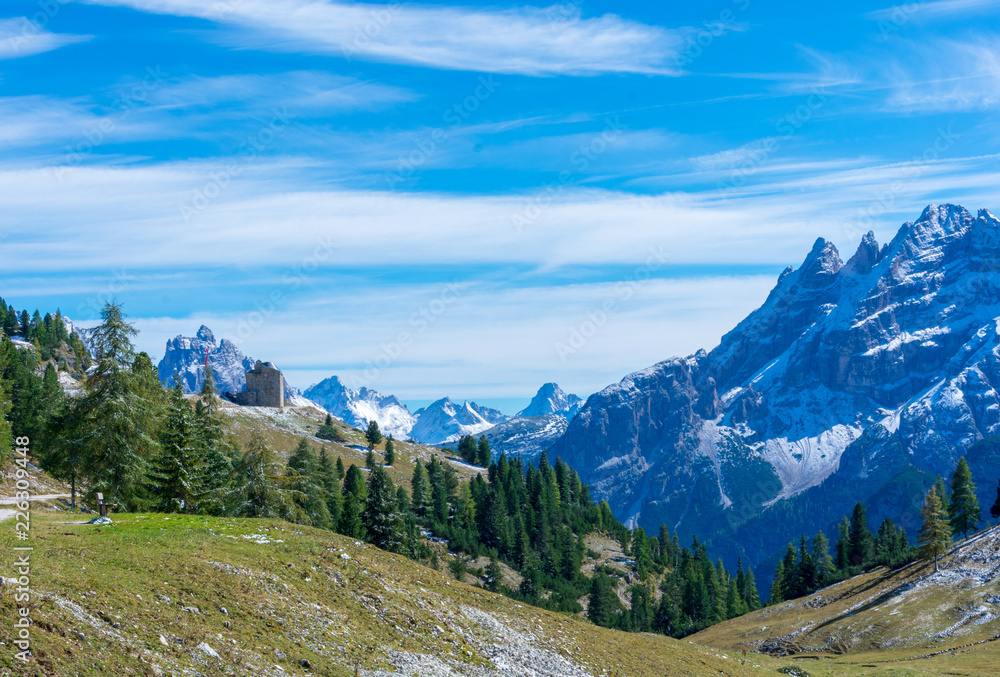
(470, 200)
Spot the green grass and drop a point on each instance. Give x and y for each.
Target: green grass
(129, 589)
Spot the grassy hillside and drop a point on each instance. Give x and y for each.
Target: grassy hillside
(906, 622)
(166, 594)
(283, 429)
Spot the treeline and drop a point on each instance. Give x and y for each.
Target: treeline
(811, 566)
(46, 333)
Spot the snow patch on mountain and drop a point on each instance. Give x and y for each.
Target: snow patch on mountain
(550, 399)
(359, 407)
(444, 422)
(526, 436)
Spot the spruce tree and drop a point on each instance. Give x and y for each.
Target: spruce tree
(964, 506)
(861, 543)
(258, 492)
(390, 452)
(171, 477)
(118, 418)
(421, 489)
(493, 577)
(382, 519)
(340, 468)
(370, 461)
(373, 435)
(484, 452)
(995, 510)
(821, 558)
(350, 517)
(935, 533)
(604, 606)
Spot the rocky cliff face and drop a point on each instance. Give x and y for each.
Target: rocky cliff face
(853, 381)
(526, 436)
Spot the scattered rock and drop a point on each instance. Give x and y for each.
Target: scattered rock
(306, 664)
(279, 654)
(227, 624)
(163, 598)
(223, 610)
(207, 650)
(191, 609)
(80, 636)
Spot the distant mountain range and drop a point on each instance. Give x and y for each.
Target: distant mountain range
(440, 423)
(853, 381)
(185, 356)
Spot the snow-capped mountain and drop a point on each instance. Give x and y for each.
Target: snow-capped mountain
(526, 436)
(853, 381)
(443, 422)
(550, 399)
(185, 355)
(358, 407)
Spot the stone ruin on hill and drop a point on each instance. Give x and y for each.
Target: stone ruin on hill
(265, 387)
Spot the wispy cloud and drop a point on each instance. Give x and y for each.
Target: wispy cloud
(526, 40)
(931, 10)
(20, 37)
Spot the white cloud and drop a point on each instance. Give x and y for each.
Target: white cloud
(524, 40)
(21, 37)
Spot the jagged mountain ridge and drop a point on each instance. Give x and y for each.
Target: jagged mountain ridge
(550, 399)
(185, 356)
(358, 407)
(890, 357)
(526, 436)
(444, 422)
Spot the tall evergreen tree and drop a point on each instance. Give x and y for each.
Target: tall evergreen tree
(421, 489)
(604, 606)
(995, 510)
(964, 506)
(821, 558)
(116, 420)
(382, 519)
(483, 451)
(373, 435)
(935, 533)
(258, 492)
(390, 451)
(861, 542)
(173, 471)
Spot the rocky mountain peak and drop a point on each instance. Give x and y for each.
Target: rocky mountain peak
(865, 257)
(205, 334)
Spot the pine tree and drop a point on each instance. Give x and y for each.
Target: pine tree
(484, 452)
(995, 510)
(843, 547)
(458, 568)
(942, 493)
(421, 489)
(354, 484)
(370, 461)
(327, 431)
(935, 533)
(751, 597)
(340, 468)
(778, 585)
(382, 519)
(350, 517)
(604, 606)
(821, 557)
(964, 506)
(258, 492)
(373, 435)
(493, 577)
(116, 421)
(861, 543)
(390, 452)
(171, 477)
